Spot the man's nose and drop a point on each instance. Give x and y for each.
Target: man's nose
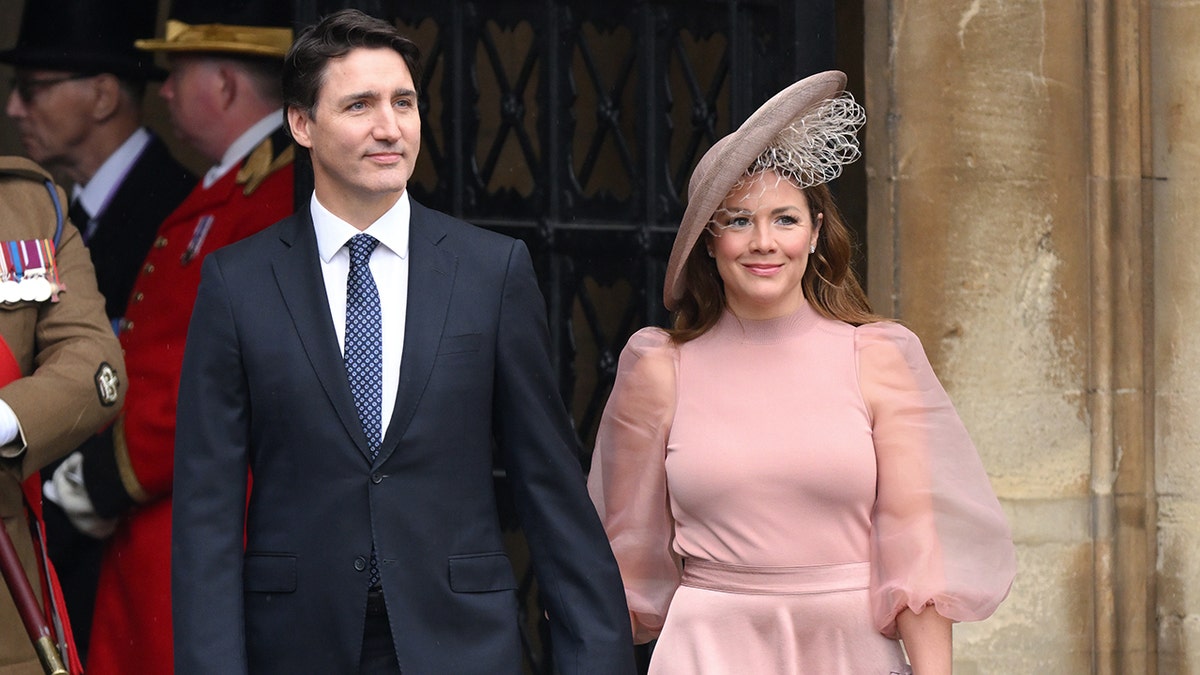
(166, 90)
(15, 107)
(387, 125)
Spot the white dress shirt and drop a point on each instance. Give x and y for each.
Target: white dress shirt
(99, 191)
(389, 267)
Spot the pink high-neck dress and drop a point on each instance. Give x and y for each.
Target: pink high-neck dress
(776, 492)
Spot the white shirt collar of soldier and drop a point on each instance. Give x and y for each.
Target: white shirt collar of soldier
(241, 147)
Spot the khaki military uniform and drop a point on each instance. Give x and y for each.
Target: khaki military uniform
(72, 374)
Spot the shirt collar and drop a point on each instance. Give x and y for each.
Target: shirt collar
(95, 194)
(391, 229)
(241, 147)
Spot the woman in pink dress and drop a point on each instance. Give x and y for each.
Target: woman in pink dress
(786, 485)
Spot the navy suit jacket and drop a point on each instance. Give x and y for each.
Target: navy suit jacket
(155, 185)
(264, 389)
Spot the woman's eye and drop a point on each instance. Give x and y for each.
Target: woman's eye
(737, 224)
(786, 222)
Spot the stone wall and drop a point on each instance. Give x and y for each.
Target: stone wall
(1010, 226)
(1175, 112)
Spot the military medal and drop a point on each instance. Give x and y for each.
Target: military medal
(9, 292)
(198, 235)
(34, 286)
(28, 272)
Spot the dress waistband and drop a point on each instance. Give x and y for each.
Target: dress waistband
(754, 580)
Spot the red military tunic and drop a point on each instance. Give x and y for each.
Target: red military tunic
(131, 630)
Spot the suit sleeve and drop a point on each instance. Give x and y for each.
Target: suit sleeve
(211, 450)
(578, 577)
(68, 396)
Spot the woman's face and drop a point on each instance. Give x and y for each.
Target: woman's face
(760, 237)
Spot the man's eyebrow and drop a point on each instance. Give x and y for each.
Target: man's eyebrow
(374, 94)
(358, 96)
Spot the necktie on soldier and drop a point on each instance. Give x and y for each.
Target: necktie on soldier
(363, 354)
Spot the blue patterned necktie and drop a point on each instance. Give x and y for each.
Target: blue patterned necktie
(364, 339)
(364, 349)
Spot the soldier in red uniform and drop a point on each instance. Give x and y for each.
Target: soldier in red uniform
(223, 96)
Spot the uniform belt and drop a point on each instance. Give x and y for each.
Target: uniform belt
(767, 580)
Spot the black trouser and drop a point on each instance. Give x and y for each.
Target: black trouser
(378, 651)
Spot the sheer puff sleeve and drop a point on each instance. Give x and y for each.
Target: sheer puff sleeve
(628, 479)
(939, 537)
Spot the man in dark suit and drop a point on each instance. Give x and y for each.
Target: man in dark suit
(76, 104)
(361, 359)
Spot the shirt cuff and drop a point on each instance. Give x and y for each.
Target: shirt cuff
(12, 442)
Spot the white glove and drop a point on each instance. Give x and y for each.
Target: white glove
(67, 490)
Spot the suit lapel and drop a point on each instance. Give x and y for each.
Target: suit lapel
(298, 272)
(431, 272)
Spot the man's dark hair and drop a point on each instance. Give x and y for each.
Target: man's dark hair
(332, 38)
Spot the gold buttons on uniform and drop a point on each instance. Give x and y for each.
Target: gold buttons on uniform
(126, 325)
(139, 296)
(161, 242)
(149, 268)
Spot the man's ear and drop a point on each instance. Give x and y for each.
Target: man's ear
(297, 120)
(229, 80)
(106, 91)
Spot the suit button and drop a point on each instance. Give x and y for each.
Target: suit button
(126, 325)
(149, 268)
(138, 297)
(376, 478)
(161, 242)
(360, 563)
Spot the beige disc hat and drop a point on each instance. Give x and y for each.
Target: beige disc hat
(215, 37)
(237, 27)
(729, 158)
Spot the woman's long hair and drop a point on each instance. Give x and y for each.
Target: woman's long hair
(829, 283)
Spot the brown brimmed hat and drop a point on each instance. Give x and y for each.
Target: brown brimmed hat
(261, 28)
(729, 159)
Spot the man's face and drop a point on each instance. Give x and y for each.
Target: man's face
(365, 131)
(52, 111)
(193, 94)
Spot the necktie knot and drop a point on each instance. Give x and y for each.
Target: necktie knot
(361, 246)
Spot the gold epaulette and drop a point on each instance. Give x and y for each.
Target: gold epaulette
(261, 163)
